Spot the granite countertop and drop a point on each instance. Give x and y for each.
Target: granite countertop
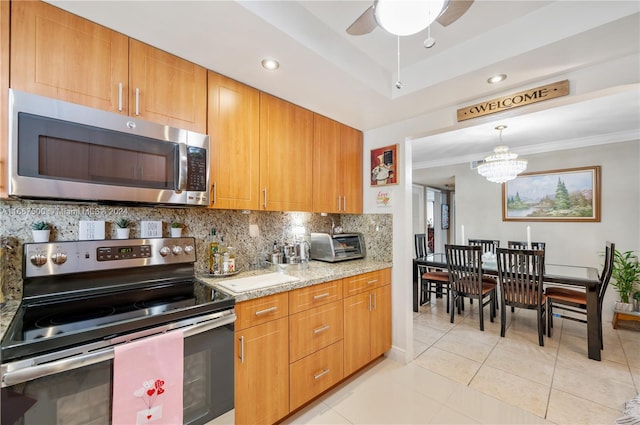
(311, 273)
(308, 274)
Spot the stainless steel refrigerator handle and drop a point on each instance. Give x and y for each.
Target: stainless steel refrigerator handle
(34, 372)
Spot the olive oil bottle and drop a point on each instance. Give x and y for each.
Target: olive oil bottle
(214, 246)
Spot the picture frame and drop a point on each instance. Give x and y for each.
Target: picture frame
(444, 216)
(384, 166)
(570, 195)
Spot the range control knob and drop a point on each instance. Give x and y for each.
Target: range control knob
(177, 250)
(164, 251)
(59, 258)
(188, 249)
(38, 260)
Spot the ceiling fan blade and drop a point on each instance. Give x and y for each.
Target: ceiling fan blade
(454, 10)
(364, 24)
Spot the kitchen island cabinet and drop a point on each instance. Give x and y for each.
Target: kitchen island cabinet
(337, 167)
(60, 55)
(234, 129)
(286, 149)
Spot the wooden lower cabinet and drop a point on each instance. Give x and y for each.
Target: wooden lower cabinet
(315, 373)
(293, 346)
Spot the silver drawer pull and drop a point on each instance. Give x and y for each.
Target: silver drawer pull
(266, 310)
(321, 374)
(317, 297)
(372, 281)
(322, 329)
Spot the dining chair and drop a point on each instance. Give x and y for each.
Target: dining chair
(464, 264)
(573, 301)
(520, 278)
(487, 245)
(431, 281)
(523, 245)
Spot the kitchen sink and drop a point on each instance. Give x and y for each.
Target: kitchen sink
(261, 281)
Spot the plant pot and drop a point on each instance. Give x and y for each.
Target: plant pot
(176, 232)
(636, 305)
(41, 235)
(122, 233)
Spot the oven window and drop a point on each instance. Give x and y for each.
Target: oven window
(61, 150)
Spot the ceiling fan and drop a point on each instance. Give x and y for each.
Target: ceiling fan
(446, 11)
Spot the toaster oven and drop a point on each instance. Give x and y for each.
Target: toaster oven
(339, 247)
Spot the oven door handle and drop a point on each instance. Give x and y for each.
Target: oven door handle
(30, 373)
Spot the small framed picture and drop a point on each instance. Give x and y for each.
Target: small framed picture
(384, 166)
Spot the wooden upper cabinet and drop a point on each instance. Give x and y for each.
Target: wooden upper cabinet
(286, 150)
(337, 167)
(166, 89)
(57, 54)
(234, 129)
(4, 86)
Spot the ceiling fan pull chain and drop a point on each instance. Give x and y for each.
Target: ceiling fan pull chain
(399, 84)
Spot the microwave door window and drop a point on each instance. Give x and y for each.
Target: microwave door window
(59, 150)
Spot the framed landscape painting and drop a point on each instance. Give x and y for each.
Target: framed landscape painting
(571, 194)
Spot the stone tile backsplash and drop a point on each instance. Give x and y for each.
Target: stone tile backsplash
(16, 218)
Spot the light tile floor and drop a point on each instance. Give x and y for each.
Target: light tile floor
(464, 376)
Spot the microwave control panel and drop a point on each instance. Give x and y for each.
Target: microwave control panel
(197, 169)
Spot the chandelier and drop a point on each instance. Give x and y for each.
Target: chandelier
(502, 165)
(403, 18)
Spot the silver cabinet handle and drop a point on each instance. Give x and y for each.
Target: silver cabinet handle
(370, 305)
(242, 349)
(215, 192)
(321, 374)
(120, 97)
(137, 101)
(321, 329)
(265, 198)
(375, 301)
(319, 296)
(338, 203)
(266, 310)
(344, 203)
(372, 281)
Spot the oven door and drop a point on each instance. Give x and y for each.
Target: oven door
(79, 389)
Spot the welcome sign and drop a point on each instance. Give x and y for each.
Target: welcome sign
(538, 94)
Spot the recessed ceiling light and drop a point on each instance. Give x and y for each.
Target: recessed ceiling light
(270, 64)
(497, 78)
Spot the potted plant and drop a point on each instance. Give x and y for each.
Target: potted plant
(40, 231)
(176, 229)
(626, 273)
(122, 228)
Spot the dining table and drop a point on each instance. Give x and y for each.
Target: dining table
(554, 274)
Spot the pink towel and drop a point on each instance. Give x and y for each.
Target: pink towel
(147, 381)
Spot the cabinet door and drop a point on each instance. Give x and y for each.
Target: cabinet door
(350, 160)
(357, 331)
(326, 165)
(166, 89)
(380, 321)
(286, 149)
(57, 54)
(234, 128)
(262, 373)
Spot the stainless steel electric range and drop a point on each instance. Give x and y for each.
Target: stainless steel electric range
(82, 298)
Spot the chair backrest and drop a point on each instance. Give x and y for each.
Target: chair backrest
(464, 263)
(520, 276)
(420, 240)
(605, 276)
(523, 245)
(486, 244)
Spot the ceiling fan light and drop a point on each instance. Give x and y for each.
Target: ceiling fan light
(403, 18)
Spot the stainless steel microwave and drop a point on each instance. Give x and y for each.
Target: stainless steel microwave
(64, 151)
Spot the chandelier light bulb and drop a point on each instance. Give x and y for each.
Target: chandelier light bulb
(403, 18)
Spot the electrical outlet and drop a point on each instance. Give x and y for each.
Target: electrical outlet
(254, 232)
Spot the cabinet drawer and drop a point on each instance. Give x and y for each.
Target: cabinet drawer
(314, 329)
(314, 374)
(261, 310)
(366, 281)
(314, 296)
